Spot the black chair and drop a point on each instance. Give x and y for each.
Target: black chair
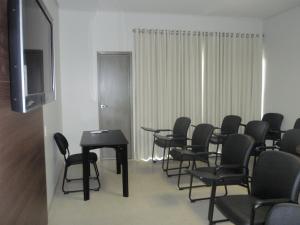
(297, 124)
(284, 214)
(200, 144)
(258, 131)
(178, 138)
(275, 121)
(230, 125)
(233, 169)
(74, 159)
(275, 180)
(289, 142)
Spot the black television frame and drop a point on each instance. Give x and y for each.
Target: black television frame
(16, 61)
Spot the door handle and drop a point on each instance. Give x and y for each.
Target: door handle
(102, 106)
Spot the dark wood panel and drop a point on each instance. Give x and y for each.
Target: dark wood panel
(22, 163)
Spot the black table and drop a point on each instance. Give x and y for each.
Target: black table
(114, 139)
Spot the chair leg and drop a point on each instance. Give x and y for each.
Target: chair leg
(97, 176)
(163, 160)
(153, 146)
(64, 178)
(216, 159)
(212, 204)
(248, 188)
(226, 190)
(190, 190)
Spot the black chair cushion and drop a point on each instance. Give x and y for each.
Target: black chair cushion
(77, 158)
(187, 155)
(238, 209)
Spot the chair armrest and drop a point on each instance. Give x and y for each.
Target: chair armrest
(163, 137)
(220, 135)
(266, 202)
(232, 166)
(154, 130)
(243, 125)
(270, 202)
(194, 146)
(263, 148)
(233, 175)
(169, 137)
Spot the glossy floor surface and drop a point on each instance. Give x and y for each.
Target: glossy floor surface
(153, 199)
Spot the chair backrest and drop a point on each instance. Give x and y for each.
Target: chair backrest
(290, 141)
(236, 150)
(62, 143)
(231, 124)
(297, 124)
(276, 175)
(257, 130)
(275, 121)
(201, 136)
(284, 214)
(181, 126)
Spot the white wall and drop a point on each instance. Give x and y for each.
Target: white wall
(85, 33)
(114, 30)
(282, 50)
(79, 92)
(53, 115)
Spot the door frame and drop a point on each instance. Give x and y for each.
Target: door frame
(129, 53)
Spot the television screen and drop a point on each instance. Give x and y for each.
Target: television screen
(31, 55)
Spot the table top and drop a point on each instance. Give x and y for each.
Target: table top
(105, 139)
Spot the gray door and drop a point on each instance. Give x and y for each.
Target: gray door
(114, 70)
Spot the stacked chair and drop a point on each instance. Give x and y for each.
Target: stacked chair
(274, 186)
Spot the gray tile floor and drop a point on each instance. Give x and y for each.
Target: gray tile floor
(154, 199)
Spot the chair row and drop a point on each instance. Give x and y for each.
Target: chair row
(275, 177)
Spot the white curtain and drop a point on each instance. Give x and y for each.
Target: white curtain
(167, 82)
(204, 76)
(232, 76)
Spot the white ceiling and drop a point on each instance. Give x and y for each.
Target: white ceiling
(232, 8)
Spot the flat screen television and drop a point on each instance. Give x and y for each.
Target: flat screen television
(31, 55)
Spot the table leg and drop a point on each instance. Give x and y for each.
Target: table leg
(118, 160)
(86, 174)
(124, 159)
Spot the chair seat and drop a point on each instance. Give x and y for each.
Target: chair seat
(169, 143)
(238, 209)
(207, 175)
(187, 155)
(77, 158)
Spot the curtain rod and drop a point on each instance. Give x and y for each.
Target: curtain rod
(205, 33)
